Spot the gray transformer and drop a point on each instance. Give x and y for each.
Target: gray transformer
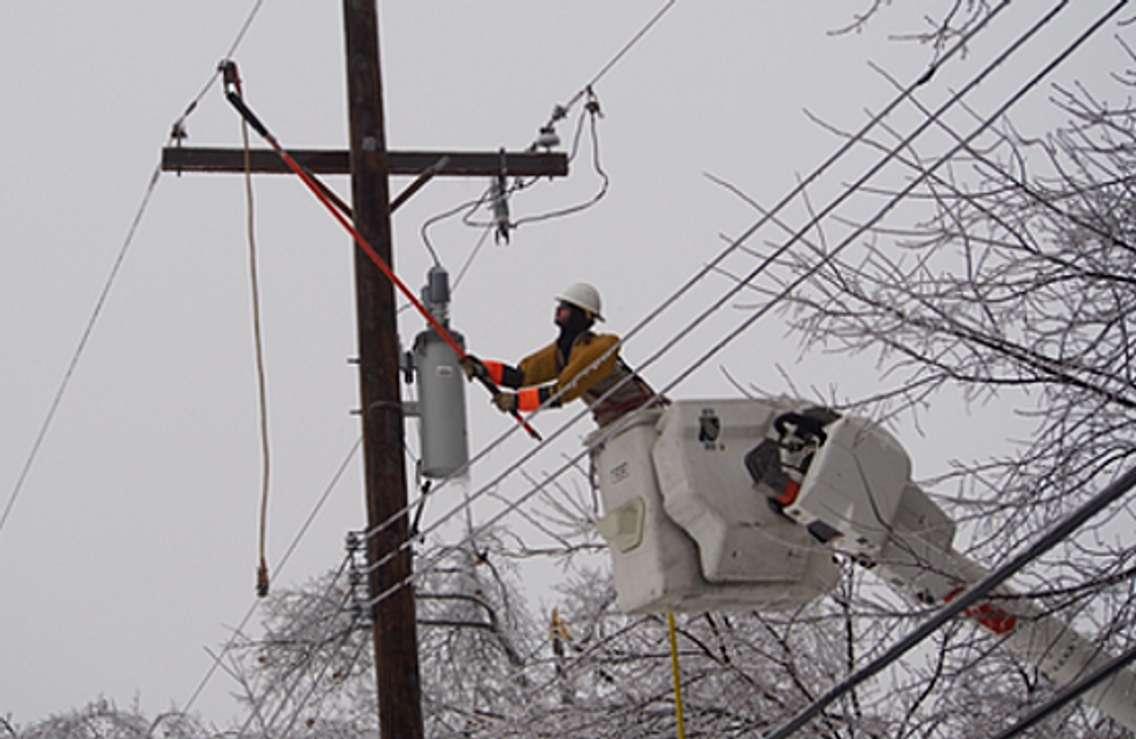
(443, 439)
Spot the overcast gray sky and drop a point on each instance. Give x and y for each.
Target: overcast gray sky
(132, 545)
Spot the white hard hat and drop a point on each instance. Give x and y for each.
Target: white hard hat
(582, 295)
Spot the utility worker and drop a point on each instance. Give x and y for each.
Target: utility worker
(567, 365)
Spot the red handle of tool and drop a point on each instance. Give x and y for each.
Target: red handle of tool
(369, 250)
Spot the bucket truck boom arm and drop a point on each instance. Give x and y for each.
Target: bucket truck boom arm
(856, 494)
(688, 531)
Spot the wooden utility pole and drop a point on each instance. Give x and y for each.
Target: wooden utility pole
(394, 622)
(370, 165)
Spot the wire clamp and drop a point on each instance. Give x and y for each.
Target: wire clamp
(230, 75)
(178, 134)
(499, 202)
(592, 106)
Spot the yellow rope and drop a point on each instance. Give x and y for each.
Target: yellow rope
(680, 717)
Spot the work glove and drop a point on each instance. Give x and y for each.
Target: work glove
(505, 402)
(473, 367)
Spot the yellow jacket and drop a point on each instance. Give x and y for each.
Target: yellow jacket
(544, 373)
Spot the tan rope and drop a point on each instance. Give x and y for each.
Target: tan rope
(262, 385)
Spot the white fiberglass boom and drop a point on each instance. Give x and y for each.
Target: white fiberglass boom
(740, 504)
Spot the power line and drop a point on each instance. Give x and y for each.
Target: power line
(283, 561)
(1058, 533)
(559, 112)
(592, 114)
(741, 328)
(244, 29)
(473, 255)
(1068, 693)
(298, 669)
(698, 276)
(745, 324)
(671, 385)
(619, 55)
(831, 255)
(1019, 183)
(315, 683)
(469, 206)
(432, 564)
(177, 131)
(83, 339)
(464, 268)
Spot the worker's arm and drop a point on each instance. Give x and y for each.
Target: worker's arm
(534, 369)
(503, 375)
(578, 376)
(538, 367)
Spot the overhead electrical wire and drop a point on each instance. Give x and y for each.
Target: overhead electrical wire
(464, 268)
(299, 671)
(1045, 20)
(377, 598)
(737, 243)
(230, 644)
(800, 186)
(957, 603)
(1018, 182)
(472, 255)
(1113, 492)
(1069, 693)
(315, 683)
(562, 110)
(78, 353)
(469, 207)
(572, 462)
(331, 485)
(758, 314)
(177, 132)
(592, 114)
(589, 115)
(559, 112)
